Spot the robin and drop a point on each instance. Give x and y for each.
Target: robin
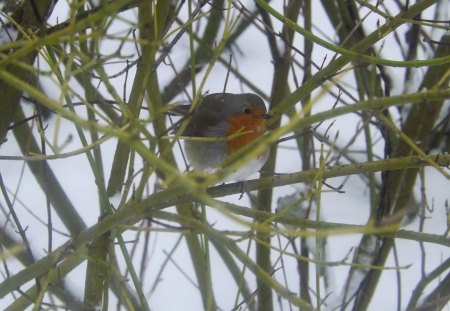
(230, 121)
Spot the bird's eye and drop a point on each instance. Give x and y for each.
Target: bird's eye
(246, 110)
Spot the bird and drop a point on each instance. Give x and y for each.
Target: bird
(228, 122)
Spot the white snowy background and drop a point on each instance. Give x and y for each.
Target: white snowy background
(174, 290)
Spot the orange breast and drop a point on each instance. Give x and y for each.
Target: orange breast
(243, 129)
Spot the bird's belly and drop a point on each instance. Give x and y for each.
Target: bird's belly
(205, 156)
